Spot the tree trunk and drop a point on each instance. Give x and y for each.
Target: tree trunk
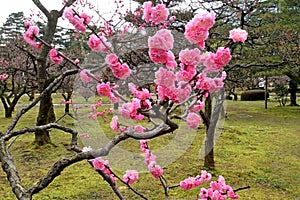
(209, 161)
(42, 137)
(293, 92)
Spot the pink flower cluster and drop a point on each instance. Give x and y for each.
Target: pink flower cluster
(55, 56)
(114, 125)
(79, 22)
(218, 190)
(29, 36)
(210, 84)
(192, 182)
(121, 71)
(129, 110)
(98, 43)
(103, 165)
(95, 113)
(3, 76)
(155, 15)
(131, 176)
(150, 160)
(216, 61)
(165, 80)
(193, 120)
(159, 48)
(196, 30)
(84, 75)
(104, 89)
(238, 35)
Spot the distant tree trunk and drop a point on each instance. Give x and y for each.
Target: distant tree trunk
(212, 116)
(209, 161)
(293, 91)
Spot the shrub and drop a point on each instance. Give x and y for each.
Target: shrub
(253, 95)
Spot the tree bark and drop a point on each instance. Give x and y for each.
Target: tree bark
(209, 161)
(46, 112)
(293, 92)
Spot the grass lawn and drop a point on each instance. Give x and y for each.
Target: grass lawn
(257, 147)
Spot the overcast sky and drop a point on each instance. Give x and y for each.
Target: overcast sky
(13, 6)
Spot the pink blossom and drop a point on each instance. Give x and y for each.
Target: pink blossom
(171, 62)
(84, 76)
(131, 176)
(198, 106)
(141, 94)
(3, 76)
(87, 19)
(205, 19)
(166, 93)
(190, 183)
(156, 15)
(55, 56)
(130, 110)
(163, 39)
(121, 71)
(205, 175)
(183, 91)
(159, 14)
(104, 89)
(114, 124)
(99, 163)
(155, 169)
(238, 35)
(112, 60)
(98, 43)
(29, 35)
(190, 57)
(158, 56)
(69, 13)
(193, 120)
(164, 77)
(222, 57)
(204, 193)
(186, 73)
(147, 11)
(195, 34)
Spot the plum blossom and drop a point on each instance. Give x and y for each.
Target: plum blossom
(190, 56)
(130, 110)
(193, 120)
(112, 60)
(155, 169)
(114, 125)
(163, 39)
(55, 56)
(131, 176)
(196, 30)
(84, 76)
(164, 77)
(98, 43)
(29, 35)
(104, 89)
(156, 15)
(238, 35)
(191, 182)
(198, 106)
(121, 71)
